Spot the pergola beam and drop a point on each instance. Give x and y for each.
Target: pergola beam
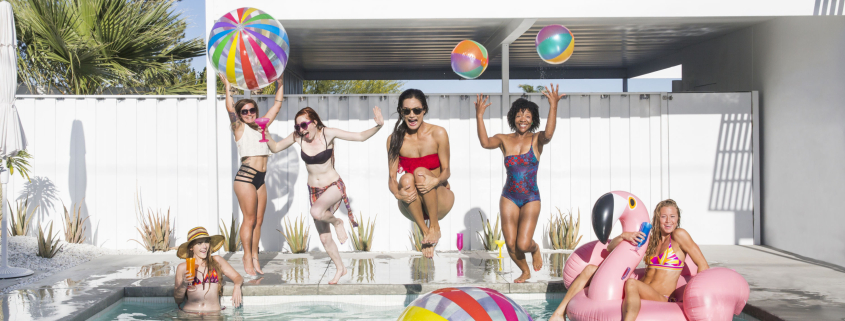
(448, 74)
(507, 34)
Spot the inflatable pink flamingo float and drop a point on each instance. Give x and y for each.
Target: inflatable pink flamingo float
(714, 294)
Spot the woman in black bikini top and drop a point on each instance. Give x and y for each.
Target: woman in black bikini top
(325, 187)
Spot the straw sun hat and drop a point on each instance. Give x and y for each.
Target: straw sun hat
(196, 234)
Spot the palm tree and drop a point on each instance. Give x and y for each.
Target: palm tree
(87, 46)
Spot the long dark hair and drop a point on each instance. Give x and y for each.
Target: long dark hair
(240, 105)
(313, 116)
(399, 130)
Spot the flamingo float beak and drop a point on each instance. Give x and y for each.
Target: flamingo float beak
(607, 210)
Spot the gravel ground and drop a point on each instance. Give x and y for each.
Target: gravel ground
(22, 251)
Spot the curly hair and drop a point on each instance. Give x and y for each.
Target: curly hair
(522, 104)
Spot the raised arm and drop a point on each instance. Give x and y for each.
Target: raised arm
(277, 104)
(481, 104)
(230, 102)
(281, 145)
(554, 97)
(332, 133)
(233, 275)
(689, 247)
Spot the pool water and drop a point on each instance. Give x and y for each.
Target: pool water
(317, 307)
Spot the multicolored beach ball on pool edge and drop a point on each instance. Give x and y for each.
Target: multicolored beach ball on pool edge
(464, 303)
(469, 59)
(555, 44)
(249, 48)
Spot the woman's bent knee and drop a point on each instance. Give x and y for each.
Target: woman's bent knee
(525, 246)
(590, 269)
(316, 213)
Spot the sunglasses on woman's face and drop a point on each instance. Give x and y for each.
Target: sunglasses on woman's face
(252, 110)
(407, 111)
(302, 125)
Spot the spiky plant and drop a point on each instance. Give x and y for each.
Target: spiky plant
(155, 228)
(416, 238)
(365, 269)
(491, 234)
(563, 233)
(21, 218)
(362, 240)
(557, 262)
(48, 245)
(74, 229)
(297, 234)
(231, 240)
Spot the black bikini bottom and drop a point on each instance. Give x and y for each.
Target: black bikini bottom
(250, 175)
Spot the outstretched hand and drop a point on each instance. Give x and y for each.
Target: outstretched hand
(224, 81)
(552, 94)
(377, 116)
(481, 104)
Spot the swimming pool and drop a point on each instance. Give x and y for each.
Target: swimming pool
(311, 307)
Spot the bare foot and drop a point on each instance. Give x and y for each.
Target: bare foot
(432, 237)
(248, 268)
(337, 275)
(428, 250)
(537, 259)
(341, 232)
(521, 279)
(257, 266)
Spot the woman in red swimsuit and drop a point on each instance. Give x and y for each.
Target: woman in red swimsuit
(421, 151)
(520, 202)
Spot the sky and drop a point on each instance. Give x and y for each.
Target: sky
(660, 81)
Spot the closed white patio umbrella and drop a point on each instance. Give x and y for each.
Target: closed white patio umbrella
(12, 139)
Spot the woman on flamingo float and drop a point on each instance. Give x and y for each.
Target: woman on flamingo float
(421, 151)
(520, 201)
(249, 181)
(664, 262)
(325, 187)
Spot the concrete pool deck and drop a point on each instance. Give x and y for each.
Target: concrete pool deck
(783, 285)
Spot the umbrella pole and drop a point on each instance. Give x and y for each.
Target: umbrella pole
(7, 271)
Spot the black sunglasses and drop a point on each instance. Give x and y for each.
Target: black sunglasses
(249, 111)
(407, 111)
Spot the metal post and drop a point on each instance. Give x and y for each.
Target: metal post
(211, 99)
(506, 76)
(625, 84)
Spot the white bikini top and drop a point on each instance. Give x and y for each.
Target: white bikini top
(248, 145)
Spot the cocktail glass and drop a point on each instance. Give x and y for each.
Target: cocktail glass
(262, 122)
(460, 241)
(191, 267)
(500, 243)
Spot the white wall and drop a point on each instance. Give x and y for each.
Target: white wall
(796, 65)
(103, 149)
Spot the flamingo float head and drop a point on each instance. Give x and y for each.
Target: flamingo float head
(618, 206)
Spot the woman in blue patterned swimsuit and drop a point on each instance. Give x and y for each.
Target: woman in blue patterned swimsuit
(520, 201)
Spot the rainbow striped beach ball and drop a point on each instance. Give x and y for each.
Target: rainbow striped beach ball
(464, 303)
(469, 59)
(249, 48)
(555, 44)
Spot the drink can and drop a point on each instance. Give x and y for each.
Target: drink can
(646, 229)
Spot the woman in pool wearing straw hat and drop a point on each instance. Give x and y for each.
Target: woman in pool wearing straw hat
(202, 293)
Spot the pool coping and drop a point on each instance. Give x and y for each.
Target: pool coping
(346, 289)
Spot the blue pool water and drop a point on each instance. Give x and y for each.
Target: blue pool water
(323, 307)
